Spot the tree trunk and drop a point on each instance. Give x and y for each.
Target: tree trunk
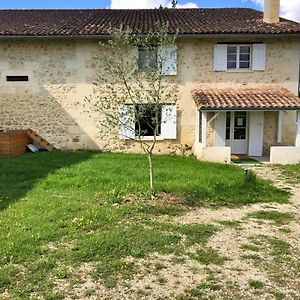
(151, 175)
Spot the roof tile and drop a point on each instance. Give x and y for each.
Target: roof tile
(99, 21)
(272, 98)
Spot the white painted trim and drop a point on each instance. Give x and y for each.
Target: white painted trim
(197, 126)
(231, 128)
(280, 127)
(298, 130)
(204, 128)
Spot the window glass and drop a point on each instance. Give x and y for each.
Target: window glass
(147, 58)
(244, 65)
(240, 121)
(231, 57)
(228, 120)
(244, 57)
(232, 49)
(238, 57)
(148, 117)
(231, 65)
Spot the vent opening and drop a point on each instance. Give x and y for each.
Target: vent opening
(17, 78)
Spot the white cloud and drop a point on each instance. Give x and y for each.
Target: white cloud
(186, 5)
(289, 9)
(123, 4)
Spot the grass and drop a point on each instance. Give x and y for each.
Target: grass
(256, 284)
(277, 218)
(64, 209)
(291, 173)
(210, 284)
(281, 256)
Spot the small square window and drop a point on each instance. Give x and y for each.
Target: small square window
(238, 57)
(147, 58)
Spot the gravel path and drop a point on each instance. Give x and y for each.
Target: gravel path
(262, 257)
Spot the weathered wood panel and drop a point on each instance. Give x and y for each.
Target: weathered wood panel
(13, 143)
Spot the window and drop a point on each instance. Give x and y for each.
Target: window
(147, 58)
(238, 57)
(240, 125)
(17, 78)
(228, 123)
(147, 118)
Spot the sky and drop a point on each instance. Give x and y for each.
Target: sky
(289, 8)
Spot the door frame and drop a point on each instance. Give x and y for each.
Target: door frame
(230, 142)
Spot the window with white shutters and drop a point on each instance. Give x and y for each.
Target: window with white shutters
(230, 57)
(143, 118)
(238, 57)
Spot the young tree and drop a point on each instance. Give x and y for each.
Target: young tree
(134, 98)
(174, 3)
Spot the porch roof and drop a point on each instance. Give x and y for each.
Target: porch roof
(264, 98)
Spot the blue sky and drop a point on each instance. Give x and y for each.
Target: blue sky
(13, 4)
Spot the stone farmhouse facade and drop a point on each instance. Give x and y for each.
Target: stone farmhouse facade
(237, 73)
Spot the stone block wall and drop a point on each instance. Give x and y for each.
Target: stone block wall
(61, 75)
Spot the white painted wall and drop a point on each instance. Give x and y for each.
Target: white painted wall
(213, 154)
(285, 155)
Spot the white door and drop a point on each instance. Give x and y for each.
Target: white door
(256, 133)
(236, 132)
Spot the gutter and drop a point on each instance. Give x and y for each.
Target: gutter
(250, 109)
(179, 36)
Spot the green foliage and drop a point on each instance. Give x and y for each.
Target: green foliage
(291, 173)
(276, 217)
(250, 176)
(209, 256)
(256, 284)
(125, 77)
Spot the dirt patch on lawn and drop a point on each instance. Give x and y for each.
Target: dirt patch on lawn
(261, 244)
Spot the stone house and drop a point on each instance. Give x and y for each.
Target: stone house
(237, 73)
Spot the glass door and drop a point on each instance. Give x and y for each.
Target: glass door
(236, 131)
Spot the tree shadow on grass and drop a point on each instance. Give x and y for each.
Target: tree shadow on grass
(19, 175)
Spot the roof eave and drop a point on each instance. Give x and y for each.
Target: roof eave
(250, 109)
(179, 36)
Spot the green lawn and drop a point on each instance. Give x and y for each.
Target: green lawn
(63, 209)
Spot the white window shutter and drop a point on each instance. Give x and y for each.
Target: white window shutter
(220, 57)
(127, 122)
(259, 57)
(167, 56)
(169, 122)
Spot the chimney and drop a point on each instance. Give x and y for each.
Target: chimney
(271, 12)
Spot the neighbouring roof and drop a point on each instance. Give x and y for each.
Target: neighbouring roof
(264, 98)
(97, 22)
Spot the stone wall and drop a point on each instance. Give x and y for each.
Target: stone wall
(61, 74)
(271, 131)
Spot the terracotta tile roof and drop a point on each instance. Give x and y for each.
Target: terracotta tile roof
(98, 22)
(267, 98)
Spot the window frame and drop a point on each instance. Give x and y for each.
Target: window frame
(159, 134)
(151, 65)
(238, 60)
